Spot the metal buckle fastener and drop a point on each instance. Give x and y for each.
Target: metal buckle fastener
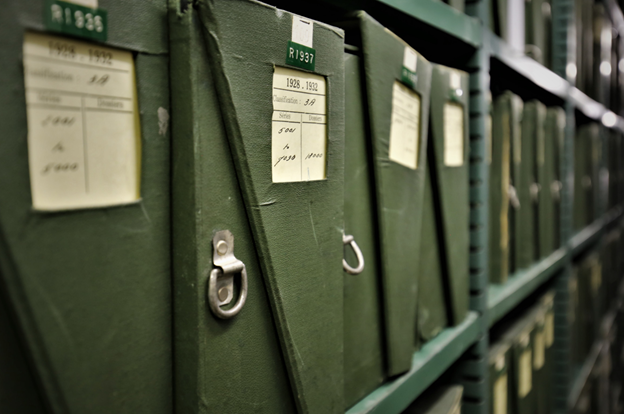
(349, 240)
(221, 280)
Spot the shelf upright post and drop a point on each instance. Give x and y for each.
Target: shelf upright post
(564, 64)
(473, 368)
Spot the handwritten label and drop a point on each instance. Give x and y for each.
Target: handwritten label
(500, 395)
(525, 381)
(404, 126)
(83, 126)
(453, 135)
(299, 126)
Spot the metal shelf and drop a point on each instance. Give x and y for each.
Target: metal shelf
(586, 237)
(435, 357)
(503, 298)
(441, 16)
(534, 71)
(583, 375)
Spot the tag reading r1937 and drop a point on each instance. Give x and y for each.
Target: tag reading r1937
(300, 56)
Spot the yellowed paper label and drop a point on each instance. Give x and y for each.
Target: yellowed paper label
(453, 135)
(500, 395)
(299, 126)
(538, 349)
(405, 126)
(83, 127)
(549, 329)
(525, 373)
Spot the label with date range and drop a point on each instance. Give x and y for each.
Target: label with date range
(83, 126)
(299, 126)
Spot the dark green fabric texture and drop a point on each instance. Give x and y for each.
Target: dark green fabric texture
(500, 349)
(535, 30)
(296, 227)
(432, 313)
(220, 365)
(19, 392)
(546, 391)
(399, 189)
(544, 174)
(91, 289)
(526, 186)
(585, 151)
(515, 109)
(499, 205)
(364, 365)
(555, 132)
(451, 188)
(440, 400)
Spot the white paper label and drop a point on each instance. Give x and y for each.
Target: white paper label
(410, 59)
(538, 346)
(302, 31)
(404, 126)
(549, 329)
(525, 373)
(299, 127)
(500, 395)
(83, 127)
(453, 135)
(455, 80)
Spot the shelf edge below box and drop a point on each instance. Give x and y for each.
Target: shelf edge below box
(505, 297)
(435, 357)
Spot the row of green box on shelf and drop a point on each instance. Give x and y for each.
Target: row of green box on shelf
(342, 171)
(521, 354)
(525, 170)
(599, 47)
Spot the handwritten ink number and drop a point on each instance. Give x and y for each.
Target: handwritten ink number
(98, 80)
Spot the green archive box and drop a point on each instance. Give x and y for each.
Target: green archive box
(521, 380)
(519, 195)
(440, 400)
(449, 131)
(363, 330)
(258, 181)
(584, 153)
(535, 29)
(499, 359)
(546, 391)
(554, 136)
(574, 318)
(432, 309)
(85, 217)
(540, 361)
(398, 82)
(525, 232)
(545, 165)
(500, 170)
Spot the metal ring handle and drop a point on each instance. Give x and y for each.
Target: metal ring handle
(212, 295)
(349, 240)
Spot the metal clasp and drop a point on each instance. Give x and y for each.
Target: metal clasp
(221, 280)
(349, 240)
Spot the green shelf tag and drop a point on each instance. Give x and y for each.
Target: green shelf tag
(75, 20)
(300, 56)
(408, 77)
